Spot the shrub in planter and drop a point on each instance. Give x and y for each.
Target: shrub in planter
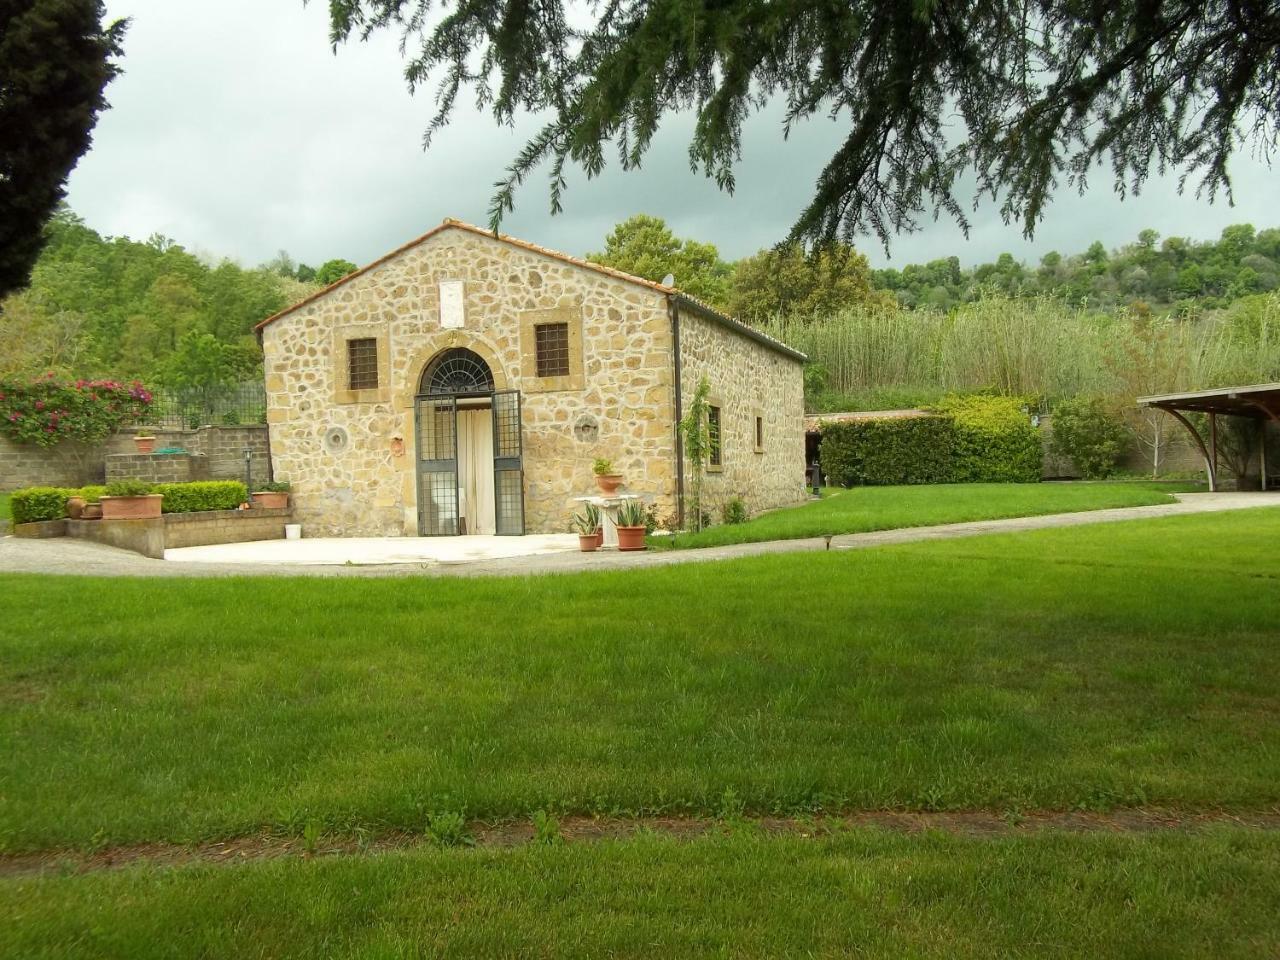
(586, 524)
(606, 479)
(1089, 435)
(130, 500)
(272, 495)
(37, 504)
(202, 495)
(994, 440)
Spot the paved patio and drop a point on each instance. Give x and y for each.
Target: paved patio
(67, 556)
(368, 551)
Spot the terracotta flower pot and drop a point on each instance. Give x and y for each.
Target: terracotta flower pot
(131, 508)
(92, 511)
(598, 536)
(145, 444)
(631, 538)
(588, 544)
(270, 500)
(608, 483)
(75, 507)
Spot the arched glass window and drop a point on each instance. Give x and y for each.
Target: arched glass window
(456, 371)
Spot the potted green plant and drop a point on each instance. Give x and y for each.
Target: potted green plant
(631, 528)
(130, 500)
(92, 497)
(145, 442)
(587, 525)
(271, 496)
(606, 479)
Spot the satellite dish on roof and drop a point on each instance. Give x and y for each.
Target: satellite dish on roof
(669, 280)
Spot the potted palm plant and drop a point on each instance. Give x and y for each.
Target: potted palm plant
(587, 525)
(130, 500)
(272, 496)
(606, 479)
(631, 528)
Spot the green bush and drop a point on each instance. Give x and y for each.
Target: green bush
(91, 494)
(994, 440)
(129, 488)
(888, 452)
(735, 511)
(974, 439)
(1089, 435)
(35, 504)
(202, 495)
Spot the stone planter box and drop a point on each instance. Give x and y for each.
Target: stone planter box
(131, 508)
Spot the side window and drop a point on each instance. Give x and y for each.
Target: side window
(759, 434)
(715, 457)
(551, 343)
(362, 364)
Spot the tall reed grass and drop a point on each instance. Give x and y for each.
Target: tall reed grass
(1040, 347)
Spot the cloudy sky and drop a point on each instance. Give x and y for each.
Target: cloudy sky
(239, 133)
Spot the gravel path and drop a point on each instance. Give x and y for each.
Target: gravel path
(68, 556)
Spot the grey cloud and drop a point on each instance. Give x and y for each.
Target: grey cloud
(242, 134)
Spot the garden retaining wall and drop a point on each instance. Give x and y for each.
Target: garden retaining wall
(212, 453)
(152, 537)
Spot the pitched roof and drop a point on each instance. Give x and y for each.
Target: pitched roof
(449, 223)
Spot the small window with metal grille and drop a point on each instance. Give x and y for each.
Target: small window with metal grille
(551, 340)
(362, 364)
(715, 457)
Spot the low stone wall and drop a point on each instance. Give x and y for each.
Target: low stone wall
(152, 537)
(214, 453)
(225, 526)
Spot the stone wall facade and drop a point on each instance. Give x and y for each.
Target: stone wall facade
(616, 403)
(748, 381)
(215, 453)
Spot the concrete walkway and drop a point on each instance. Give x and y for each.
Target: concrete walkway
(67, 556)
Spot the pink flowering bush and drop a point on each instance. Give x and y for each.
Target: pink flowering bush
(47, 411)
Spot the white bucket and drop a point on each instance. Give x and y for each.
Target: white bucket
(293, 531)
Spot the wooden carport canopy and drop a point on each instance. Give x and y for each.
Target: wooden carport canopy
(1260, 402)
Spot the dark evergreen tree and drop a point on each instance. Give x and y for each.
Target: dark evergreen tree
(56, 59)
(1043, 90)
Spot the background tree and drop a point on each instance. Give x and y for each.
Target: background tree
(787, 281)
(331, 271)
(1019, 98)
(645, 247)
(56, 59)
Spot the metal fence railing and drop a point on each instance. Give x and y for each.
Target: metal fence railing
(242, 403)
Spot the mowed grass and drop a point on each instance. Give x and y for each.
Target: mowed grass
(1129, 664)
(863, 509)
(864, 893)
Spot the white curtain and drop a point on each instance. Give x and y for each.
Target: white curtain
(475, 469)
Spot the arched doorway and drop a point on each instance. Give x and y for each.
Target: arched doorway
(470, 468)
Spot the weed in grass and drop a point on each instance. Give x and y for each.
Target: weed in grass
(448, 828)
(311, 837)
(732, 806)
(546, 828)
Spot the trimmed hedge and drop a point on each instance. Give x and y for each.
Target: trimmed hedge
(35, 504)
(888, 452)
(201, 495)
(966, 440)
(995, 441)
(50, 503)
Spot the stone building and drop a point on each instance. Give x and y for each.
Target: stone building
(465, 383)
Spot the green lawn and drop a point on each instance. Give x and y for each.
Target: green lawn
(1125, 664)
(886, 508)
(864, 893)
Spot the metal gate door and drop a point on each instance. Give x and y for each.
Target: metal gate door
(437, 423)
(508, 465)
